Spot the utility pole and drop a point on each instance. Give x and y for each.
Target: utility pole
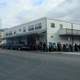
(72, 37)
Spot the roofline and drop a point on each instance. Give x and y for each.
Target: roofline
(47, 18)
(28, 22)
(63, 21)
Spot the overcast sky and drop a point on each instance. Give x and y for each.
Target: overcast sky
(14, 12)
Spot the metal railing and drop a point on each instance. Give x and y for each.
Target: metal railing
(66, 31)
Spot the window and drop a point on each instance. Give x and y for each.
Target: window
(31, 27)
(10, 33)
(6, 34)
(24, 30)
(19, 30)
(38, 26)
(52, 36)
(14, 32)
(61, 25)
(53, 25)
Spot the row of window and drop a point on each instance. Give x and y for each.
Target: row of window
(37, 26)
(33, 27)
(24, 30)
(30, 28)
(9, 34)
(53, 25)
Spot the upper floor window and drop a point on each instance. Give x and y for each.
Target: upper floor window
(19, 30)
(38, 26)
(61, 25)
(52, 36)
(53, 25)
(10, 33)
(14, 32)
(6, 34)
(24, 30)
(31, 27)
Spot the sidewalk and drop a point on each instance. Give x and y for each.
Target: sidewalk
(15, 52)
(69, 53)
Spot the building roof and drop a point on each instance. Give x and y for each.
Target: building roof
(49, 18)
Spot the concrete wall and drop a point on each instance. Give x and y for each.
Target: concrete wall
(53, 33)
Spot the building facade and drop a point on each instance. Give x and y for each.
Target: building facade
(1, 36)
(44, 30)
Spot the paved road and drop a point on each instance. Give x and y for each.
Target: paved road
(33, 66)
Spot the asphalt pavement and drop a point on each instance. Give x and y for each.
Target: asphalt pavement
(23, 65)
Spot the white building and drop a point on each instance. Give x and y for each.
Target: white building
(1, 36)
(44, 30)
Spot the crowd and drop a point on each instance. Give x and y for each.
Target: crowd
(65, 47)
(59, 47)
(43, 47)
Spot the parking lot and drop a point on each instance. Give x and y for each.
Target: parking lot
(23, 65)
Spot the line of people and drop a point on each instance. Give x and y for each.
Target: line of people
(57, 47)
(64, 47)
(52, 47)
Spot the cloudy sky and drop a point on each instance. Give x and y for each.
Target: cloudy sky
(14, 12)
